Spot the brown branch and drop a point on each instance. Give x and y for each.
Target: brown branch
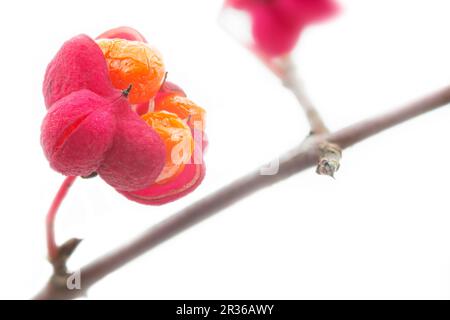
(292, 162)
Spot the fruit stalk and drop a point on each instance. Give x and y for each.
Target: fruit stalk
(52, 247)
(292, 82)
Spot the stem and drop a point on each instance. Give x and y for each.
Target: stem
(292, 81)
(284, 68)
(330, 153)
(127, 91)
(291, 163)
(51, 216)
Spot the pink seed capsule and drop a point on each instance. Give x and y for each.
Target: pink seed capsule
(90, 126)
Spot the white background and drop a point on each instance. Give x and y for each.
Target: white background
(381, 230)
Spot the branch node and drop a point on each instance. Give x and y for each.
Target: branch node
(65, 251)
(329, 159)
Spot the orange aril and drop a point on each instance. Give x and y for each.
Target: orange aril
(183, 107)
(133, 63)
(177, 138)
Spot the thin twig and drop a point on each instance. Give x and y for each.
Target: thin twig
(284, 69)
(330, 153)
(290, 163)
(292, 81)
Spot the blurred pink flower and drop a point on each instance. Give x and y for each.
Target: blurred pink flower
(277, 24)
